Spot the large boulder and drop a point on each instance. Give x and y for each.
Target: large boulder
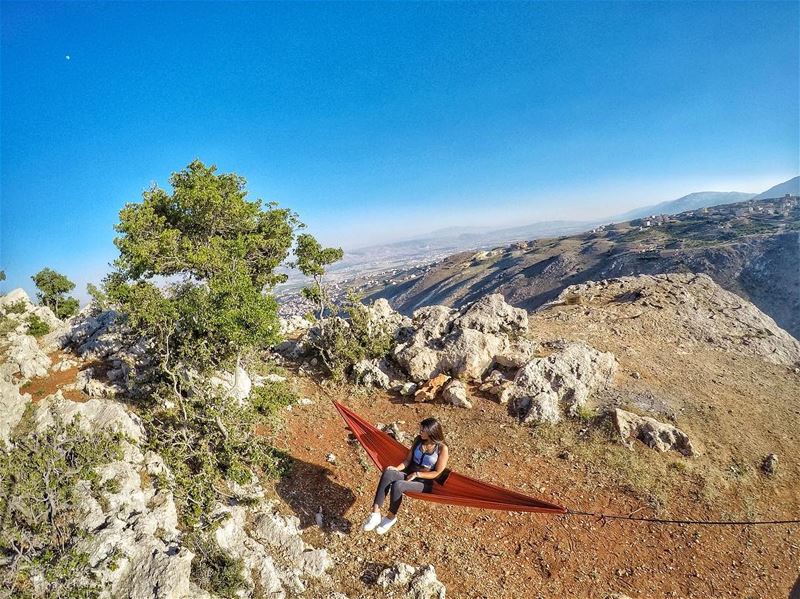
(381, 316)
(491, 314)
(658, 435)
(419, 361)
(560, 383)
(432, 322)
(24, 351)
(469, 353)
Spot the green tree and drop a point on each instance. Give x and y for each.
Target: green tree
(218, 252)
(312, 259)
(53, 288)
(99, 297)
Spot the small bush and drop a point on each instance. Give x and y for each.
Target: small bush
(271, 397)
(36, 326)
(18, 307)
(213, 569)
(340, 343)
(585, 413)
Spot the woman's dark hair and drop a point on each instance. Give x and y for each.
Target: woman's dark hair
(434, 430)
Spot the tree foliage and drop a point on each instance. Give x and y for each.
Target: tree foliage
(53, 287)
(218, 251)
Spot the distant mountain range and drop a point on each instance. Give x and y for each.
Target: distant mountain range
(693, 201)
(431, 247)
(792, 187)
(749, 247)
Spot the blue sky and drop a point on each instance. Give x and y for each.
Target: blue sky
(381, 121)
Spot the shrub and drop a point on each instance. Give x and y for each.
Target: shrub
(214, 569)
(342, 342)
(17, 307)
(36, 326)
(207, 439)
(40, 518)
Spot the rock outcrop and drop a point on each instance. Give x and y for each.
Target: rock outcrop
(658, 435)
(463, 344)
(12, 407)
(25, 355)
(419, 582)
(274, 554)
(702, 312)
(545, 388)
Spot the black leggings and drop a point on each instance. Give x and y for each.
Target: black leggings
(395, 480)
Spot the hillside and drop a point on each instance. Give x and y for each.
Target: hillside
(750, 248)
(718, 377)
(792, 187)
(689, 355)
(692, 201)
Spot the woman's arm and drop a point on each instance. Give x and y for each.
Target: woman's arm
(406, 462)
(441, 464)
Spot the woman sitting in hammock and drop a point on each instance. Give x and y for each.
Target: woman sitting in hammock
(424, 464)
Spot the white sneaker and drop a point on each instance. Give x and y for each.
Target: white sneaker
(373, 521)
(385, 525)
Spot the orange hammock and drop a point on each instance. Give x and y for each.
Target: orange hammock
(457, 489)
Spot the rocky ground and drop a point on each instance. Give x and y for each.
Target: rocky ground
(688, 355)
(655, 395)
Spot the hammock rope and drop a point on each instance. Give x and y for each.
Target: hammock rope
(601, 516)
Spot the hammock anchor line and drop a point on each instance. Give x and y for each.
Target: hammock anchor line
(601, 516)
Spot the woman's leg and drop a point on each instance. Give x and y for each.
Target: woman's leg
(387, 478)
(404, 486)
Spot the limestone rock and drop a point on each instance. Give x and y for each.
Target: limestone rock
(469, 353)
(25, 353)
(429, 390)
(419, 582)
(371, 373)
(561, 382)
(236, 386)
(12, 407)
(491, 314)
(95, 414)
(293, 324)
(651, 432)
(518, 353)
(455, 393)
(381, 316)
(408, 389)
(274, 554)
(14, 296)
(495, 383)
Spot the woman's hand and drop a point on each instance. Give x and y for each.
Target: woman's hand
(392, 468)
(411, 476)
